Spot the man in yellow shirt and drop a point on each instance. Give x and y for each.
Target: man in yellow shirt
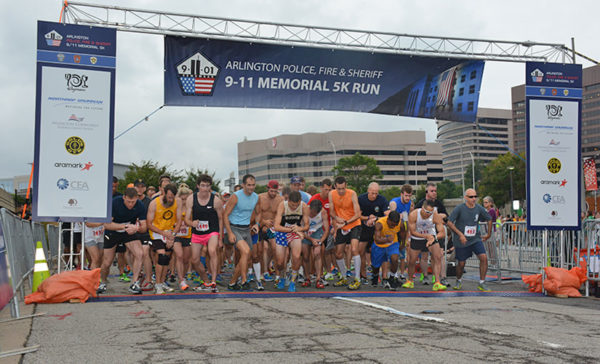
(386, 247)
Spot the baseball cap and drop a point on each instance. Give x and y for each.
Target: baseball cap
(226, 194)
(295, 179)
(129, 185)
(273, 184)
(139, 181)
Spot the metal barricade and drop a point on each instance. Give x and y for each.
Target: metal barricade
(588, 252)
(53, 231)
(18, 237)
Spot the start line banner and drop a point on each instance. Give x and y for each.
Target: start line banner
(221, 73)
(74, 123)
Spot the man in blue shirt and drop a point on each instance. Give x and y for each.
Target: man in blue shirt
(372, 207)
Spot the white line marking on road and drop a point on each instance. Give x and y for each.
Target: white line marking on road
(392, 310)
(551, 345)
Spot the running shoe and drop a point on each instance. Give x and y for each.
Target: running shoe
(458, 285)
(342, 282)
(251, 277)
(374, 280)
(393, 283)
(408, 284)
(159, 289)
(387, 284)
(213, 287)
(421, 278)
(292, 287)
(245, 286)
(325, 283)
(439, 287)
(349, 274)
(234, 287)
(432, 279)
(123, 278)
(301, 279)
(183, 286)
(445, 282)
(276, 280)
(148, 286)
(306, 283)
(483, 287)
(281, 284)
(200, 288)
(259, 285)
(101, 288)
(425, 280)
(329, 276)
(334, 271)
(135, 288)
(354, 285)
(320, 284)
(364, 280)
(167, 288)
(267, 277)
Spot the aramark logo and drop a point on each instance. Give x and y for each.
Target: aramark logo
(554, 112)
(76, 82)
(53, 39)
(537, 75)
(68, 165)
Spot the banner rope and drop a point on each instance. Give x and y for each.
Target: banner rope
(145, 118)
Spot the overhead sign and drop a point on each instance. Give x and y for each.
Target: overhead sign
(553, 101)
(203, 72)
(74, 123)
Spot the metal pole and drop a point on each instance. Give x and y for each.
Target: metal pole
(462, 171)
(473, 168)
(544, 257)
(334, 153)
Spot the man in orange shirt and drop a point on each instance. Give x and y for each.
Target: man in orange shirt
(345, 216)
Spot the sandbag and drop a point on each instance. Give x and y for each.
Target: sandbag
(558, 281)
(76, 284)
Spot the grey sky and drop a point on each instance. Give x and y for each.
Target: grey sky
(208, 137)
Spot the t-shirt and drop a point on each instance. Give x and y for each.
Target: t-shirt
(324, 201)
(305, 196)
(122, 215)
(402, 208)
(368, 207)
(467, 221)
(439, 206)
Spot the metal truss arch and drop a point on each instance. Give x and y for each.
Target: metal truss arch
(171, 23)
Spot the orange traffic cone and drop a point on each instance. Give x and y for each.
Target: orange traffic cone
(40, 269)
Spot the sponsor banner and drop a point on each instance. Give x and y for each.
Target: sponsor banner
(6, 291)
(553, 149)
(590, 174)
(203, 72)
(74, 123)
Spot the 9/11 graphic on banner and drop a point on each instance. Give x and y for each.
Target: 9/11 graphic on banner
(589, 173)
(197, 75)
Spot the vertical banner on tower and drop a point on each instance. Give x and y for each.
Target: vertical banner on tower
(74, 122)
(553, 99)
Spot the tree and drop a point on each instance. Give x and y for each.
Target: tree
(260, 188)
(149, 172)
(359, 170)
(390, 192)
(495, 181)
(479, 167)
(448, 189)
(191, 178)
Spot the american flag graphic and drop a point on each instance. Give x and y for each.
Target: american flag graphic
(445, 87)
(589, 173)
(197, 85)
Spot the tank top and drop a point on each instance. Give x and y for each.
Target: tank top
(424, 226)
(242, 211)
(386, 230)
(402, 208)
(165, 218)
(208, 219)
(292, 217)
(344, 207)
(316, 223)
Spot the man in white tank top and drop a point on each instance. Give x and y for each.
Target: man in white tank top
(425, 226)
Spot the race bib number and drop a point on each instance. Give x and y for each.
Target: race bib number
(470, 231)
(183, 231)
(202, 225)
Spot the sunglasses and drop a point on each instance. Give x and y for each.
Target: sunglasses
(428, 211)
(474, 196)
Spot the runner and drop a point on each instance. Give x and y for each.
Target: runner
(345, 214)
(147, 284)
(431, 194)
(204, 211)
(372, 206)
(128, 219)
(426, 227)
(183, 236)
(267, 205)
(464, 223)
(239, 213)
(162, 219)
(291, 221)
(313, 240)
(386, 247)
(327, 249)
(94, 243)
(404, 206)
(296, 185)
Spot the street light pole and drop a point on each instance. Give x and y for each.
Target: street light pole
(473, 169)
(512, 198)
(462, 171)
(334, 153)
